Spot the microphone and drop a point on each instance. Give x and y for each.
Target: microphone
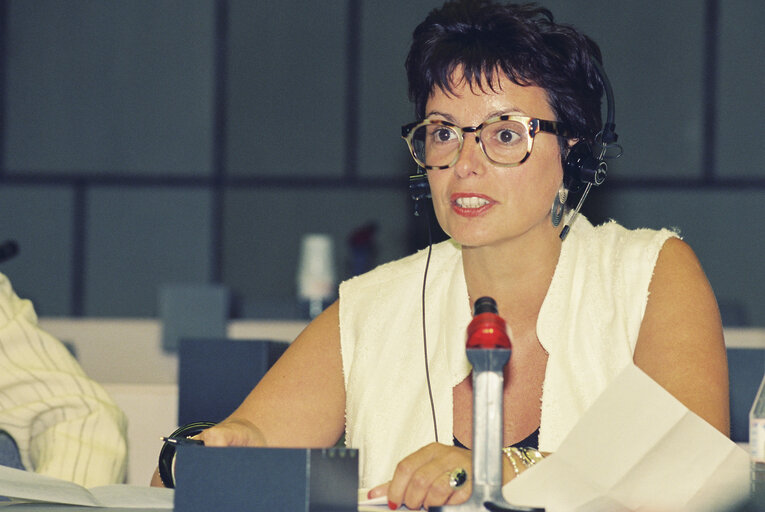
(8, 250)
(488, 350)
(487, 330)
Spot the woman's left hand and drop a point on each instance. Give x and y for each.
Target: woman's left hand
(422, 479)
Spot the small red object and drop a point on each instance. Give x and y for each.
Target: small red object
(487, 330)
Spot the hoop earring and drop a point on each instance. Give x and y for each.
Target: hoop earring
(558, 206)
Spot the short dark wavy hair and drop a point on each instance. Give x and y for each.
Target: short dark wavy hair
(484, 37)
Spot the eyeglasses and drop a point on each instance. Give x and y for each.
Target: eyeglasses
(506, 140)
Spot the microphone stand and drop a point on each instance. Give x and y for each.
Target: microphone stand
(488, 350)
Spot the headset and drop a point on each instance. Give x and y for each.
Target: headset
(581, 167)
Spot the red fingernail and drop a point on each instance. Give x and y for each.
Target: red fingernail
(392, 505)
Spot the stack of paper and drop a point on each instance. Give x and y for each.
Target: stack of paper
(637, 448)
(28, 486)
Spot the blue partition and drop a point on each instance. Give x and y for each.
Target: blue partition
(216, 374)
(746, 367)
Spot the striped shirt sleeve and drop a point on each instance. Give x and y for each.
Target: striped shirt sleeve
(65, 424)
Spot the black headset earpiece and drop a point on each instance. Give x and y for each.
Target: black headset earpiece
(582, 167)
(419, 189)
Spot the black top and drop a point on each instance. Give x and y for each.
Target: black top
(532, 441)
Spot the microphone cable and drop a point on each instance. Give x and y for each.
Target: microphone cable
(424, 330)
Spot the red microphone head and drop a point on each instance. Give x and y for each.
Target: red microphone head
(487, 330)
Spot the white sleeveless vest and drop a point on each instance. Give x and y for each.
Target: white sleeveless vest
(588, 324)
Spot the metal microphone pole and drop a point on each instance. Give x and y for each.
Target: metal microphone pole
(488, 350)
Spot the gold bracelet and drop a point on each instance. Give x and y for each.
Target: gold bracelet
(530, 456)
(509, 451)
(527, 456)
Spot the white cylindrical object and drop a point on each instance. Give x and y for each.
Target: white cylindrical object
(316, 268)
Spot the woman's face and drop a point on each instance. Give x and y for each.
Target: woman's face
(478, 203)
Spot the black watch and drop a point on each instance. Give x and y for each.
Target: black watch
(167, 454)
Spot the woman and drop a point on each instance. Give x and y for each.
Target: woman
(578, 310)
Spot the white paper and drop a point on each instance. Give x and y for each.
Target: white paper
(28, 486)
(636, 447)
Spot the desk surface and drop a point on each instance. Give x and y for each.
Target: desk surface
(56, 507)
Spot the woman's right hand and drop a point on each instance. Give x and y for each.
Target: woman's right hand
(232, 432)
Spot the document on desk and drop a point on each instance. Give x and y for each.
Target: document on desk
(637, 447)
(27, 486)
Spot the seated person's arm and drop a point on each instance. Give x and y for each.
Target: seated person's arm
(300, 402)
(301, 399)
(681, 343)
(64, 424)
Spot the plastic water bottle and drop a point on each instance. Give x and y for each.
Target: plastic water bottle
(757, 446)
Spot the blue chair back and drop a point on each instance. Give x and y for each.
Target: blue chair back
(192, 310)
(9, 452)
